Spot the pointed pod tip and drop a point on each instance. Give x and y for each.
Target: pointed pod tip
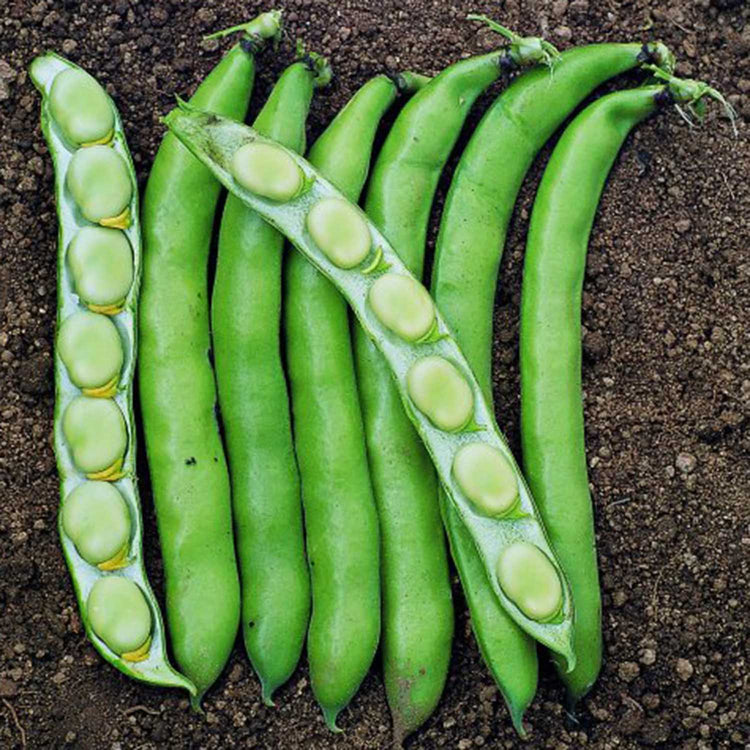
(516, 718)
(267, 692)
(195, 701)
(399, 732)
(330, 715)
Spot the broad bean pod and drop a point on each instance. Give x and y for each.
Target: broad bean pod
(189, 475)
(329, 435)
(246, 317)
(552, 431)
(544, 611)
(100, 521)
(416, 591)
(469, 248)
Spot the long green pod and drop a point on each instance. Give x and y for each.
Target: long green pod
(246, 319)
(101, 529)
(489, 174)
(469, 248)
(329, 435)
(417, 598)
(189, 476)
(437, 387)
(552, 430)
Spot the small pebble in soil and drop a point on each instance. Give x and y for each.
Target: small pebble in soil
(684, 669)
(685, 462)
(628, 671)
(650, 701)
(648, 657)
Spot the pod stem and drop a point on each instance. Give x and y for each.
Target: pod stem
(408, 82)
(262, 28)
(657, 53)
(316, 64)
(522, 50)
(691, 93)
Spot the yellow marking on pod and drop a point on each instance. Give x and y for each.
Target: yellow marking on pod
(113, 309)
(375, 261)
(120, 560)
(110, 474)
(140, 654)
(103, 391)
(103, 141)
(121, 221)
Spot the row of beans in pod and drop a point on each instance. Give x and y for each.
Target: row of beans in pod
(437, 386)
(98, 272)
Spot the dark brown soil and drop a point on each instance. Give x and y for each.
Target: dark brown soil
(666, 378)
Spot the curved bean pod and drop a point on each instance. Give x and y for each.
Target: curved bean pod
(552, 432)
(189, 475)
(469, 247)
(328, 431)
(246, 312)
(417, 597)
(99, 522)
(215, 140)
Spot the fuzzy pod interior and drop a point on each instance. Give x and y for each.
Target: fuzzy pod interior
(149, 663)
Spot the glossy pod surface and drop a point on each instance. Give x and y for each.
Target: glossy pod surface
(550, 351)
(100, 519)
(246, 321)
(417, 597)
(469, 248)
(214, 140)
(329, 436)
(187, 464)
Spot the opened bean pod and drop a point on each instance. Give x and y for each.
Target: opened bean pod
(98, 270)
(215, 141)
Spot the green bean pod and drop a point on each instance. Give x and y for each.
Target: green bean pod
(100, 521)
(329, 436)
(552, 430)
(328, 229)
(469, 247)
(417, 600)
(189, 475)
(246, 317)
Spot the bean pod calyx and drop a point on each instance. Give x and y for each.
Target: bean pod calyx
(522, 50)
